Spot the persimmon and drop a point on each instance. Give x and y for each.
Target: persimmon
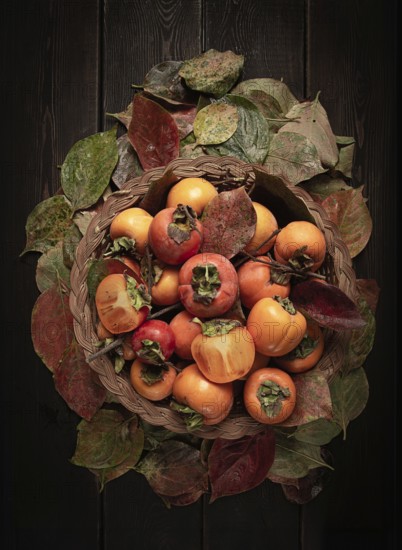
(302, 243)
(134, 224)
(307, 353)
(276, 326)
(210, 400)
(255, 282)
(152, 381)
(166, 291)
(196, 192)
(208, 285)
(184, 330)
(265, 226)
(175, 235)
(224, 356)
(122, 304)
(153, 341)
(269, 395)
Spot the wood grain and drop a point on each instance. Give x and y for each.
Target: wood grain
(358, 91)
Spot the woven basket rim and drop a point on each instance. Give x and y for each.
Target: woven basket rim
(234, 426)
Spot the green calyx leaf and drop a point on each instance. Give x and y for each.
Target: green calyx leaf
(271, 396)
(183, 224)
(286, 304)
(217, 327)
(138, 294)
(119, 363)
(151, 271)
(151, 374)
(151, 351)
(192, 418)
(121, 245)
(205, 283)
(304, 349)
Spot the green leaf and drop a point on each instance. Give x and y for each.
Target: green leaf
(212, 72)
(47, 224)
(71, 240)
(215, 123)
(51, 269)
(88, 167)
(275, 88)
(317, 432)
(294, 459)
(323, 185)
(103, 442)
(250, 142)
(362, 340)
(349, 392)
(345, 162)
(312, 122)
(293, 157)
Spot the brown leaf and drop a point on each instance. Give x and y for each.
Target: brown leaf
(77, 384)
(229, 222)
(51, 326)
(370, 291)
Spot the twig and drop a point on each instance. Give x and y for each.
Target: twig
(161, 312)
(115, 344)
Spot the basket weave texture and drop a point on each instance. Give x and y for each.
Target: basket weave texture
(337, 268)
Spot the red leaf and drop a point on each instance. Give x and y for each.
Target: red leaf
(229, 222)
(184, 119)
(76, 383)
(238, 465)
(153, 133)
(51, 326)
(327, 305)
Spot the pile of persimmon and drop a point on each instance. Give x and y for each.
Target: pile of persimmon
(200, 351)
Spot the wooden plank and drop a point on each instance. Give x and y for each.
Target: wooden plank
(271, 37)
(48, 92)
(352, 60)
(138, 35)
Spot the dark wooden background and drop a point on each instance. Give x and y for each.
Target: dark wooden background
(64, 63)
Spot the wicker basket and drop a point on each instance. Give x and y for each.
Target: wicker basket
(338, 269)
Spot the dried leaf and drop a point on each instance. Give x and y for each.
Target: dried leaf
(102, 267)
(326, 304)
(348, 210)
(323, 185)
(71, 240)
(47, 224)
(293, 157)
(88, 167)
(164, 81)
(215, 123)
(153, 133)
(238, 465)
(124, 116)
(155, 198)
(212, 72)
(51, 326)
(83, 218)
(104, 441)
(275, 88)
(370, 291)
(229, 222)
(345, 162)
(50, 269)
(294, 459)
(174, 469)
(128, 166)
(313, 399)
(362, 340)
(76, 383)
(349, 392)
(249, 146)
(268, 107)
(184, 119)
(317, 432)
(312, 122)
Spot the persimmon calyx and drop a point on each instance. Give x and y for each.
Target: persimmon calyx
(205, 283)
(121, 246)
(286, 304)
(271, 395)
(300, 261)
(183, 224)
(304, 349)
(217, 327)
(192, 418)
(152, 352)
(138, 294)
(151, 374)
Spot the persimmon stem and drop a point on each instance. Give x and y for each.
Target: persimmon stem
(255, 251)
(161, 312)
(115, 344)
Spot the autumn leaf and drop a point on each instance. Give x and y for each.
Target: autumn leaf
(275, 88)
(51, 269)
(164, 81)
(128, 165)
(215, 123)
(229, 222)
